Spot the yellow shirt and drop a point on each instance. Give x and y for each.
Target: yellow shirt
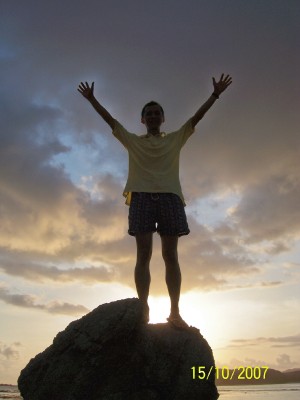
(153, 160)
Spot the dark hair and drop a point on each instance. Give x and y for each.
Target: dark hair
(152, 103)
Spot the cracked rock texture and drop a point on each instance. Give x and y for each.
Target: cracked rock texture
(109, 354)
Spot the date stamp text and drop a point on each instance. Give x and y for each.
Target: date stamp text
(240, 372)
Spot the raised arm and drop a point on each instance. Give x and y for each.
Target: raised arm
(88, 93)
(219, 87)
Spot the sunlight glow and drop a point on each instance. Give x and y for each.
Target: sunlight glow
(159, 309)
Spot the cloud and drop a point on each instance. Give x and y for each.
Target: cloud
(206, 262)
(209, 260)
(55, 214)
(64, 308)
(42, 210)
(270, 211)
(42, 273)
(9, 352)
(29, 301)
(62, 215)
(271, 284)
(285, 341)
(283, 362)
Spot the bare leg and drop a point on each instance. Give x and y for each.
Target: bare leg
(173, 277)
(142, 269)
(173, 274)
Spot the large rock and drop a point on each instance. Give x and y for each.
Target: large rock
(109, 354)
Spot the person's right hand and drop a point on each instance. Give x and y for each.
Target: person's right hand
(86, 91)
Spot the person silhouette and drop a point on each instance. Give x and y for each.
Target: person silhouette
(153, 191)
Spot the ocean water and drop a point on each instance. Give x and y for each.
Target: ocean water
(289, 391)
(9, 392)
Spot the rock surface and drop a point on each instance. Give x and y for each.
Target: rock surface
(110, 355)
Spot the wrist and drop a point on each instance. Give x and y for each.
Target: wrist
(216, 95)
(91, 99)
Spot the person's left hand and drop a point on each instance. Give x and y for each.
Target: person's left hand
(223, 84)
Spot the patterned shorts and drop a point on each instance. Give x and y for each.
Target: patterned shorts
(157, 212)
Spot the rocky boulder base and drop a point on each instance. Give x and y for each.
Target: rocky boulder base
(109, 354)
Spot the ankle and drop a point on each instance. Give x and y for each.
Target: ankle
(174, 311)
(144, 304)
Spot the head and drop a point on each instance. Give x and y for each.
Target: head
(152, 115)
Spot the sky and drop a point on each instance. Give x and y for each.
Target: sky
(64, 247)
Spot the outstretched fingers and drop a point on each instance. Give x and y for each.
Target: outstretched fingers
(222, 84)
(85, 89)
(227, 79)
(81, 87)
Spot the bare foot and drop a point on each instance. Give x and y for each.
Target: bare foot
(177, 322)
